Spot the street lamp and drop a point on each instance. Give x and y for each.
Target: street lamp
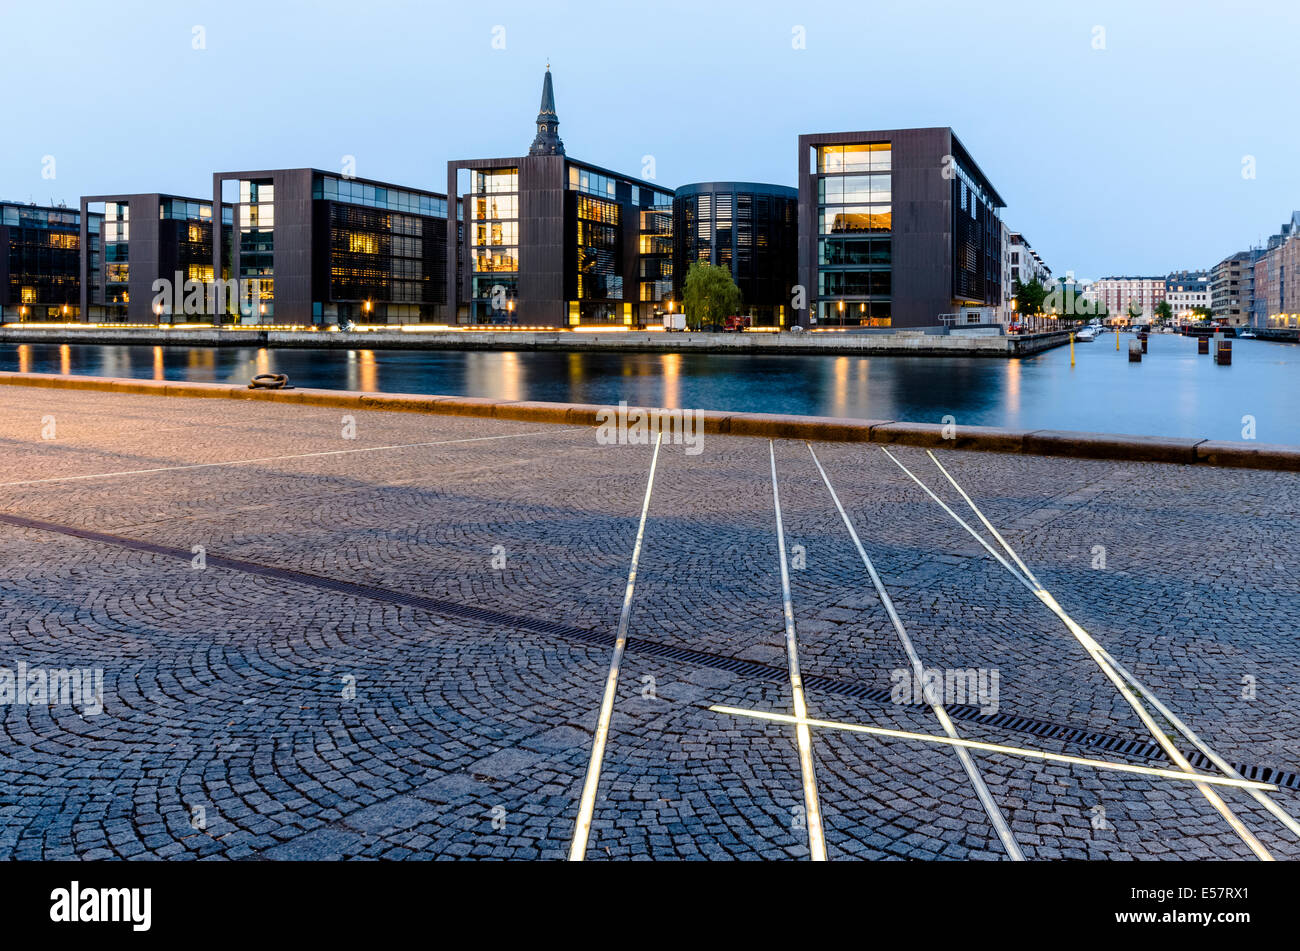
(510, 309)
(841, 313)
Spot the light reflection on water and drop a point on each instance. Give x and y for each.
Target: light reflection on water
(1173, 391)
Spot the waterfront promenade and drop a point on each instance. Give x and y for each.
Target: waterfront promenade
(424, 337)
(329, 632)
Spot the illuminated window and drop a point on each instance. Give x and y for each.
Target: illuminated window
(363, 243)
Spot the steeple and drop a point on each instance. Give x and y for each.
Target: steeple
(547, 141)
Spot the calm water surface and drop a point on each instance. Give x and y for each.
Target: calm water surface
(1173, 391)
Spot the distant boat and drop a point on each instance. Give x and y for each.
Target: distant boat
(1247, 335)
(1086, 334)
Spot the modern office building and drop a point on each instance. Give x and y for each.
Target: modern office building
(1231, 288)
(1187, 292)
(1276, 279)
(749, 228)
(318, 248)
(897, 228)
(39, 248)
(140, 239)
(553, 241)
(1127, 300)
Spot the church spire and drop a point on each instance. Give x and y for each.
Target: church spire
(547, 141)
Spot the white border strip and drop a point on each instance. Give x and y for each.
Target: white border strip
(587, 805)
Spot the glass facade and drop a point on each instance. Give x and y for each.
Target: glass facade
(255, 233)
(350, 191)
(976, 239)
(117, 258)
(43, 262)
(655, 256)
(750, 229)
(494, 245)
(600, 281)
(385, 260)
(854, 222)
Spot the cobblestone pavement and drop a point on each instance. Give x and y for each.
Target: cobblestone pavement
(394, 646)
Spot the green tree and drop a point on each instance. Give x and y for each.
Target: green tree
(709, 296)
(1029, 297)
(1164, 312)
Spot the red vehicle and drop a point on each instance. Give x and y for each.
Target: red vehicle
(737, 323)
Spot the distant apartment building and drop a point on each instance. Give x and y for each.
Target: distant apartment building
(1005, 312)
(39, 255)
(1127, 300)
(1026, 264)
(897, 228)
(128, 242)
(1187, 292)
(1232, 288)
(1276, 279)
(751, 229)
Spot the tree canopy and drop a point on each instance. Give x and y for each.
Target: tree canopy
(709, 296)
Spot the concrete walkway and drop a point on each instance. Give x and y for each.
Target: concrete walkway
(329, 633)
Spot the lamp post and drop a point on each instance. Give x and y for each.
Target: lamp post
(841, 313)
(510, 309)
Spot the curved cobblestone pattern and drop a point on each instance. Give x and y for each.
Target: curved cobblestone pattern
(224, 689)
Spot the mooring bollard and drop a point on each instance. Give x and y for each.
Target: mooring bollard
(1223, 355)
(1202, 344)
(1142, 336)
(1135, 351)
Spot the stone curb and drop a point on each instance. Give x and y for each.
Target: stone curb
(1040, 442)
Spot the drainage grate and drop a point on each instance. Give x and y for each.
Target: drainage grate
(752, 670)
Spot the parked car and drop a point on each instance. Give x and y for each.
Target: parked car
(737, 323)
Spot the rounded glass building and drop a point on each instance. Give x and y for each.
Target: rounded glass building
(751, 229)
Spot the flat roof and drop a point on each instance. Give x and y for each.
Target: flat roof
(268, 172)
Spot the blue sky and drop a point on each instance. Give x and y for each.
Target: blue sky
(1126, 159)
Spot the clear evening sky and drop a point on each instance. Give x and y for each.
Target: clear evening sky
(1126, 159)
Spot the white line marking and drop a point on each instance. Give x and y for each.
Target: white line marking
(995, 815)
(1278, 812)
(996, 748)
(812, 807)
(1098, 655)
(302, 455)
(587, 805)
